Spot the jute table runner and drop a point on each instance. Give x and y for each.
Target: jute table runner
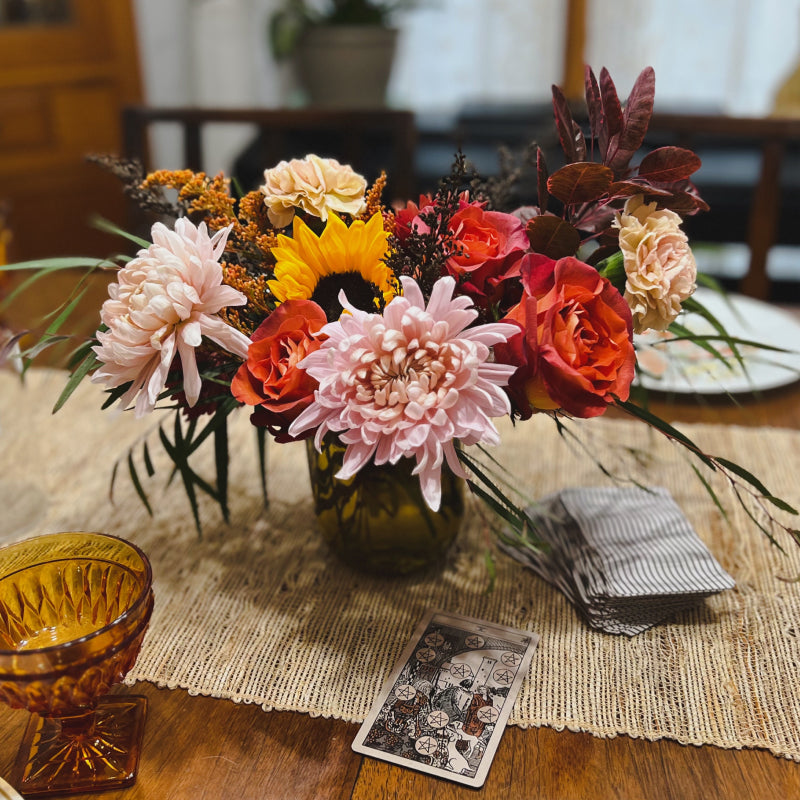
(258, 611)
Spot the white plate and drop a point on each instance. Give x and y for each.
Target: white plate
(685, 368)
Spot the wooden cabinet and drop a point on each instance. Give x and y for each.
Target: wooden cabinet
(62, 87)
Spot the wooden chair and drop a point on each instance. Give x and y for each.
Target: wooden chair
(370, 141)
(776, 142)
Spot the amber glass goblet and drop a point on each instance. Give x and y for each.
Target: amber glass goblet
(74, 608)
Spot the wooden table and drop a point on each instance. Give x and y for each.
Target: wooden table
(198, 747)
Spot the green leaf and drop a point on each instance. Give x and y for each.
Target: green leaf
(174, 451)
(228, 404)
(261, 439)
(80, 353)
(190, 493)
(613, 270)
(665, 428)
(748, 476)
(682, 334)
(115, 394)
(516, 517)
(43, 344)
(148, 464)
(66, 310)
(48, 337)
(221, 462)
(75, 378)
(103, 224)
(113, 480)
(693, 305)
(137, 484)
(712, 494)
(757, 522)
(52, 264)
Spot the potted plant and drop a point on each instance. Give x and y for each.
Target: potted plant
(343, 54)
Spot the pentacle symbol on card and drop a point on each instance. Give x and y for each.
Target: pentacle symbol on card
(511, 659)
(438, 718)
(504, 676)
(426, 745)
(434, 639)
(488, 714)
(406, 693)
(426, 654)
(461, 671)
(474, 641)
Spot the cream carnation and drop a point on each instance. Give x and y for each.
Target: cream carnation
(164, 301)
(316, 185)
(659, 264)
(408, 383)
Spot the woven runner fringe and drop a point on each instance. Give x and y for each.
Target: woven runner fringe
(258, 610)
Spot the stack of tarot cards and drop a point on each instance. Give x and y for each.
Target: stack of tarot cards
(626, 557)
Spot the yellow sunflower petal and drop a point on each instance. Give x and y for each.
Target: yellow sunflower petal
(303, 260)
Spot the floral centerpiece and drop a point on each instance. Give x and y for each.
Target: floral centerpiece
(401, 334)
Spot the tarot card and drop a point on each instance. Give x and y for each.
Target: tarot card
(445, 705)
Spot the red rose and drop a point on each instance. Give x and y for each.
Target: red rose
(270, 379)
(404, 217)
(575, 351)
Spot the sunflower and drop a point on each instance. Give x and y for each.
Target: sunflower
(317, 268)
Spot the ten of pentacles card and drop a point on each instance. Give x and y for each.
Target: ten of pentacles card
(445, 705)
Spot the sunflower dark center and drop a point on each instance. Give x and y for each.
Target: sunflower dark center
(360, 292)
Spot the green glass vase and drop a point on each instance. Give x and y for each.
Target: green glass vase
(378, 521)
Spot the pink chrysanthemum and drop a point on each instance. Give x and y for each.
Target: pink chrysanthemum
(409, 383)
(164, 301)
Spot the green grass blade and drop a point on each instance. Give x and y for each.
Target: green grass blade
(261, 440)
(711, 493)
(52, 264)
(137, 484)
(75, 378)
(221, 460)
(148, 463)
(115, 394)
(107, 226)
(665, 428)
(737, 469)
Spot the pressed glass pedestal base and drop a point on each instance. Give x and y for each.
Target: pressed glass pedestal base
(96, 752)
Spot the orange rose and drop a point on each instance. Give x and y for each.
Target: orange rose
(487, 247)
(575, 350)
(270, 379)
(489, 243)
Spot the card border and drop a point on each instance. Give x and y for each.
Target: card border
(488, 757)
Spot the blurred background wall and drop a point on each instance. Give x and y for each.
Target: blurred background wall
(715, 55)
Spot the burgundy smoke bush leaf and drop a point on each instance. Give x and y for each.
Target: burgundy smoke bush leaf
(565, 125)
(638, 110)
(635, 186)
(594, 219)
(579, 141)
(669, 164)
(612, 109)
(541, 180)
(553, 237)
(580, 182)
(594, 105)
(685, 202)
